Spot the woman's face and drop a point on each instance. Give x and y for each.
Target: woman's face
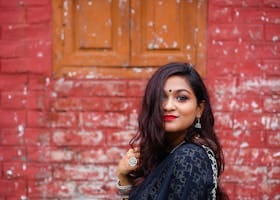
(179, 105)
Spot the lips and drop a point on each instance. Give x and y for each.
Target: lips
(169, 117)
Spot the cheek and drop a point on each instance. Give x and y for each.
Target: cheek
(188, 111)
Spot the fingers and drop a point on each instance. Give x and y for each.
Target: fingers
(133, 153)
(126, 164)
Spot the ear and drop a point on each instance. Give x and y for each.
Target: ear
(200, 108)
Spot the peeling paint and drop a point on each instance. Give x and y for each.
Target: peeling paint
(244, 144)
(20, 130)
(22, 197)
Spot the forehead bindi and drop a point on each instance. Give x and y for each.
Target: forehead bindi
(177, 84)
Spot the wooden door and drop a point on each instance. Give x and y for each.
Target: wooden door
(127, 38)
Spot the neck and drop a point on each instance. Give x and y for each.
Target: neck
(174, 139)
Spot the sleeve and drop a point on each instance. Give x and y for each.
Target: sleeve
(192, 176)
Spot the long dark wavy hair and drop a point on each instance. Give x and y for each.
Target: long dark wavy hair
(151, 135)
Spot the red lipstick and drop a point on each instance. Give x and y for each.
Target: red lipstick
(169, 117)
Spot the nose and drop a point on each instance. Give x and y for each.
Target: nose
(168, 104)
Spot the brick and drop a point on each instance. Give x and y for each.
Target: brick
(12, 16)
(10, 32)
(235, 103)
(136, 88)
(219, 68)
(258, 190)
(27, 171)
(220, 14)
(229, 51)
(272, 32)
(259, 85)
(270, 121)
(37, 100)
(44, 188)
(121, 137)
(39, 82)
(272, 16)
(242, 138)
(272, 103)
(242, 121)
(273, 138)
(15, 188)
(112, 171)
(11, 137)
(11, 3)
(38, 49)
(13, 82)
(12, 119)
(91, 189)
(64, 155)
(39, 154)
(95, 104)
(18, 65)
(229, 188)
(12, 49)
(36, 2)
(38, 137)
(252, 156)
(246, 32)
(38, 14)
(90, 88)
(8, 154)
(274, 174)
(272, 3)
(223, 120)
(271, 67)
(36, 119)
(78, 137)
(25, 136)
(51, 119)
(108, 155)
(18, 3)
(250, 16)
(270, 51)
(80, 172)
(108, 119)
(244, 174)
(73, 189)
(244, 3)
(13, 100)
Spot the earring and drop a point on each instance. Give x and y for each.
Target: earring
(198, 124)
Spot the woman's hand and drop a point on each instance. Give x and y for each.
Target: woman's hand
(124, 168)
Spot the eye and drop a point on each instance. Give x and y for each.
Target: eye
(182, 98)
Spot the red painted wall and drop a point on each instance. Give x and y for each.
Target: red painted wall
(62, 138)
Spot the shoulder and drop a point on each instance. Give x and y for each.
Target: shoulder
(191, 157)
(191, 172)
(190, 150)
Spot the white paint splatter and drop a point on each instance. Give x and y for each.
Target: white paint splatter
(23, 167)
(20, 130)
(40, 55)
(276, 154)
(275, 38)
(244, 144)
(9, 173)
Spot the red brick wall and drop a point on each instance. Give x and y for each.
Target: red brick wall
(62, 138)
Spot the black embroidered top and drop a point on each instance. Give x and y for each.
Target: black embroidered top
(186, 173)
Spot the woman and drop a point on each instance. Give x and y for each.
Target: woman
(176, 153)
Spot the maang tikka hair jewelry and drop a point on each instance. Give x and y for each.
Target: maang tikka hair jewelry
(198, 124)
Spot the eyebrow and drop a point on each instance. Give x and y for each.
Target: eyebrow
(178, 90)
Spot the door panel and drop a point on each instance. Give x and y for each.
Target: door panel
(93, 33)
(167, 30)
